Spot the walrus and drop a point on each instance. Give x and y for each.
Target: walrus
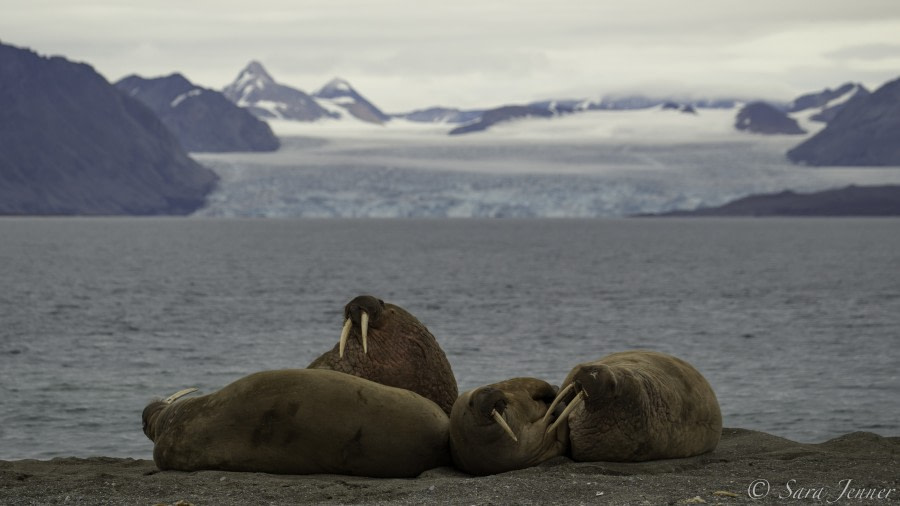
(300, 421)
(386, 344)
(503, 426)
(639, 405)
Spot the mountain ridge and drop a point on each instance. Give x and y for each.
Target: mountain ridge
(865, 133)
(71, 143)
(203, 120)
(848, 201)
(256, 90)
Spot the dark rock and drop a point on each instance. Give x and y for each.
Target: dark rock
(441, 115)
(339, 92)
(822, 98)
(71, 143)
(675, 106)
(201, 119)
(255, 89)
(846, 95)
(501, 114)
(865, 133)
(762, 118)
(849, 201)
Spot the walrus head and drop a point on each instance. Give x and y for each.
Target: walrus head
(384, 343)
(503, 426)
(153, 410)
(594, 385)
(363, 312)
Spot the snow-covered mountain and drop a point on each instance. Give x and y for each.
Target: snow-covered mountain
(257, 91)
(865, 133)
(824, 105)
(339, 97)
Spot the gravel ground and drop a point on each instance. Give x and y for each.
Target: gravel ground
(747, 467)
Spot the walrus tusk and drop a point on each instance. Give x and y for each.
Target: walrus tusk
(364, 326)
(562, 393)
(565, 414)
(179, 394)
(499, 418)
(344, 333)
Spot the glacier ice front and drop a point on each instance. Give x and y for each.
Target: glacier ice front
(584, 166)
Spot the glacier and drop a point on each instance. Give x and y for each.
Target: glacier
(593, 164)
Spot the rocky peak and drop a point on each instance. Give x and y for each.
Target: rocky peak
(763, 118)
(253, 77)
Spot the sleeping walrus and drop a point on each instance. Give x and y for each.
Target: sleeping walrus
(639, 405)
(300, 421)
(503, 426)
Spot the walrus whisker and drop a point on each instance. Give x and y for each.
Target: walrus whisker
(344, 333)
(500, 421)
(556, 400)
(179, 394)
(364, 326)
(565, 414)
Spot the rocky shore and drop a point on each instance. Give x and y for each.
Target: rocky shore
(747, 467)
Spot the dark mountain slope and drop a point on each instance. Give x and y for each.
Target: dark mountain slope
(201, 119)
(849, 201)
(865, 133)
(762, 118)
(71, 143)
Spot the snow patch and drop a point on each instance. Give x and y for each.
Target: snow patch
(338, 84)
(343, 100)
(184, 96)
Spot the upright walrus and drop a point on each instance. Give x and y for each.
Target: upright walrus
(639, 405)
(300, 421)
(384, 343)
(503, 426)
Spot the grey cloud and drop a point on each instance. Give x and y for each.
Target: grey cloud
(869, 52)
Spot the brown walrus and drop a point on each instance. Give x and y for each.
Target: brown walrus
(300, 421)
(384, 343)
(639, 405)
(503, 426)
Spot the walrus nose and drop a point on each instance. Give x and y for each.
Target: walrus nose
(494, 399)
(363, 328)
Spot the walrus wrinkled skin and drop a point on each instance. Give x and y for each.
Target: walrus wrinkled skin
(640, 405)
(479, 442)
(301, 421)
(384, 343)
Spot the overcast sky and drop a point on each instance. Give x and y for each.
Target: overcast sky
(405, 54)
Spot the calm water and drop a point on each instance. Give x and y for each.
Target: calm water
(794, 322)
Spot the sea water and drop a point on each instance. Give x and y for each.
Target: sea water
(795, 322)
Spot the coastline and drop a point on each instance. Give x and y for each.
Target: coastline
(747, 467)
